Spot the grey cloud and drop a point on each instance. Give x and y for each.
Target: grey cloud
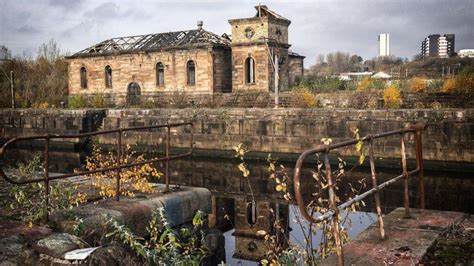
(318, 27)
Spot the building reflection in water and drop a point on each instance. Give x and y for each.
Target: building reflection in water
(241, 206)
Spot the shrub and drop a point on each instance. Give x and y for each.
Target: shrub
(461, 83)
(449, 85)
(98, 101)
(364, 84)
(322, 84)
(418, 85)
(370, 84)
(40, 105)
(303, 98)
(392, 97)
(77, 101)
(131, 179)
(165, 245)
(30, 200)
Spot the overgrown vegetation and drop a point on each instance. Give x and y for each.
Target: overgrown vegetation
(317, 84)
(131, 179)
(39, 82)
(165, 245)
(392, 97)
(302, 97)
(29, 201)
(280, 251)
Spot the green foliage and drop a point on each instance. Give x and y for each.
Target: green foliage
(98, 101)
(77, 101)
(368, 83)
(30, 200)
(165, 246)
(323, 84)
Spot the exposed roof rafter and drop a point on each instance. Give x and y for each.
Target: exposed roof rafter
(168, 40)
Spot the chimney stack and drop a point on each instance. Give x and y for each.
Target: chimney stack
(199, 24)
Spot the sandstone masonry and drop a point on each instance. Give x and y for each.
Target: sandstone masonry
(128, 70)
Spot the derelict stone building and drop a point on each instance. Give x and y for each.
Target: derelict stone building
(196, 62)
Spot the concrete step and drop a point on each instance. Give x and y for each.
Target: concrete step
(406, 242)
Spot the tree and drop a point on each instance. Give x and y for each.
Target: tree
(356, 59)
(49, 51)
(5, 53)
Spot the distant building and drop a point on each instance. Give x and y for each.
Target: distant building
(384, 44)
(354, 75)
(436, 45)
(381, 75)
(466, 53)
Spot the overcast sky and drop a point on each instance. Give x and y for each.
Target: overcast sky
(318, 27)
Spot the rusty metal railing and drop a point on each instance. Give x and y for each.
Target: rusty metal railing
(334, 210)
(118, 167)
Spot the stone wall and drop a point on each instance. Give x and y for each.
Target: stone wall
(211, 75)
(29, 122)
(447, 138)
(296, 68)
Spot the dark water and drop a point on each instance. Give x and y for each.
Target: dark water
(231, 195)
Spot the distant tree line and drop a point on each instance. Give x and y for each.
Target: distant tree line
(39, 81)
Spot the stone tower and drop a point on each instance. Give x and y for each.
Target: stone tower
(256, 41)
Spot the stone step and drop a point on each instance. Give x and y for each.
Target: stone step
(406, 239)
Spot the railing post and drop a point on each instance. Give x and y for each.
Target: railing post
(333, 207)
(119, 156)
(406, 198)
(419, 162)
(167, 178)
(375, 186)
(46, 176)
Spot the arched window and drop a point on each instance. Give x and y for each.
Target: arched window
(108, 77)
(83, 78)
(160, 74)
(249, 70)
(191, 70)
(133, 94)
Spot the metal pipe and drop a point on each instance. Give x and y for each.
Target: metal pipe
(419, 161)
(376, 194)
(167, 178)
(102, 170)
(333, 207)
(119, 155)
(12, 88)
(406, 196)
(46, 177)
(360, 197)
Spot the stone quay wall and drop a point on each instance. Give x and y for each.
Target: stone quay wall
(448, 137)
(30, 122)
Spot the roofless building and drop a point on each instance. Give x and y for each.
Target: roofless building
(196, 62)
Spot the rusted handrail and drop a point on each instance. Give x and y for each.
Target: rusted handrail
(119, 166)
(334, 210)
